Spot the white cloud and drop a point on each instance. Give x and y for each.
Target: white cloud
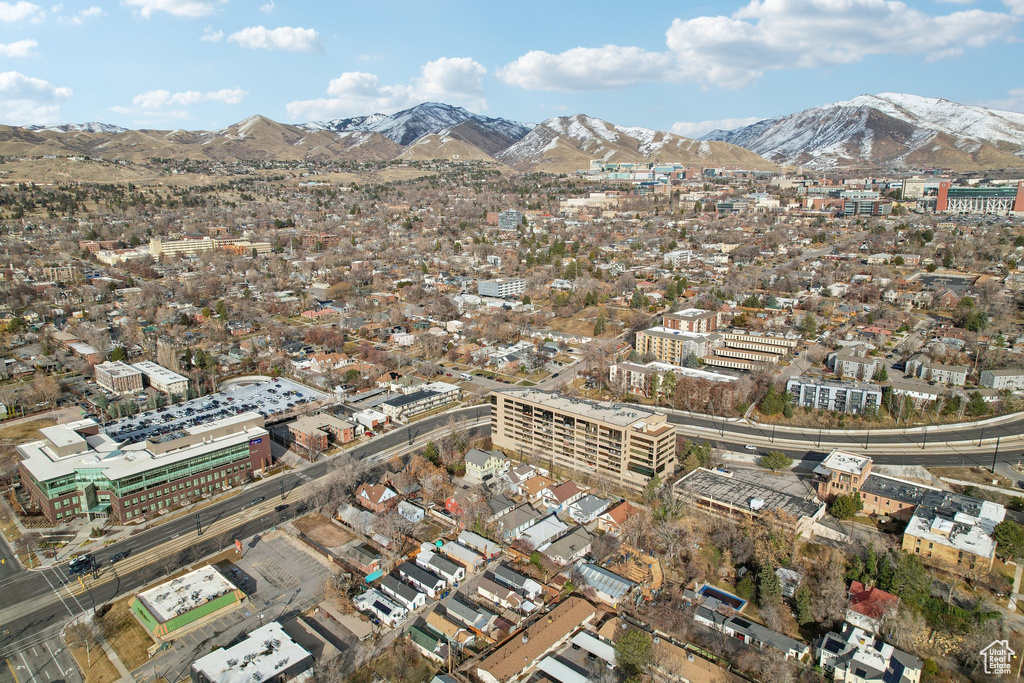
(1016, 7)
(25, 99)
(156, 105)
(87, 13)
(1014, 101)
(211, 36)
(587, 68)
(454, 80)
(177, 8)
(20, 48)
(267, 8)
(694, 129)
(19, 11)
(767, 35)
(281, 38)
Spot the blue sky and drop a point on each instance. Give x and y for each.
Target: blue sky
(684, 66)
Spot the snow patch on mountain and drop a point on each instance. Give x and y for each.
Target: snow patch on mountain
(91, 127)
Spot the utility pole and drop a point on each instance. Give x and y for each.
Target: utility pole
(199, 525)
(995, 455)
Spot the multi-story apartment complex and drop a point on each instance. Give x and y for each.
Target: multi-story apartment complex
(691, 320)
(65, 273)
(162, 379)
(77, 469)
(501, 288)
(952, 530)
(118, 377)
(189, 246)
(433, 395)
(510, 220)
(639, 379)
(854, 362)
(922, 366)
(838, 395)
(673, 346)
(624, 444)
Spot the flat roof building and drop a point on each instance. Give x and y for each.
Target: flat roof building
(267, 655)
(501, 288)
(118, 378)
(625, 444)
(177, 603)
(162, 379)
(77, 469)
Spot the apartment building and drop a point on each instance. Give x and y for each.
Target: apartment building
(510, 220)
(118, 377)
(692, 320)
(162, 379)
(854, 363)
(1012, 380)
(189, 246)
(921, 366)
(433, 395)
(501, 288)
(639, 379)
(625, 444)
(952, 530)
(77, 469)
(826, 394)
(674, 346)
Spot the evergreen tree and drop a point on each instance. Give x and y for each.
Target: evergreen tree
(769, 589)
(803, 604)
(599, 325)
(976, 406)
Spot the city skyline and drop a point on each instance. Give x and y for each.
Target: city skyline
(204, 64)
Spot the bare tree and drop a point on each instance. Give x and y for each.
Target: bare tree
(86, 634)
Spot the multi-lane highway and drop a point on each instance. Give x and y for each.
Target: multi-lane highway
(34, 605)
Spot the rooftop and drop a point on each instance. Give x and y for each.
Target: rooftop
(751, 491)
(117, 369)
(185, 593)
(844, 461)
(612, 413)
(267, 652)
(151, 369)
(605, 581)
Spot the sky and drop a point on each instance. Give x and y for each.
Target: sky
(688, 66)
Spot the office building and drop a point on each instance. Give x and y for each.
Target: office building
(177, 604)
(76, 469)
(266, 655)
(118, 378)
(162, 379)
(501, 288)
(838, 395)
(624, 444)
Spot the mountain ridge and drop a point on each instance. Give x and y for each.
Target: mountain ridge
(888, 130)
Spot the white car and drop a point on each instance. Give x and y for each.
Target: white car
(750, 448)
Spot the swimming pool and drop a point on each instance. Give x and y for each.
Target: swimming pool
(734, 601)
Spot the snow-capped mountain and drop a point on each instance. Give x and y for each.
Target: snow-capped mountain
(411, 124)
(567, 143)
(888, 130)
(91, 127)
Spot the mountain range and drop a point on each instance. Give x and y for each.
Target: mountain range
(889, 130)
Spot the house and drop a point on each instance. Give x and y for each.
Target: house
(485, 465)
(503, 596)
(470, 559)
(402, 593)
(570, 547)
(854, 656)
(513, 524)
(420, 578)
(789, 580)
(363, 557)
(456, 634)
(611, 520)
(478, 619)
(450, 571)
(587, 508)
(558, 497)
(520, 583)
(751, 633)
(486, 547)
(608, 587)
(499, 505)
(460, 501)
(411, 512)
(868, 606)
(515, 476)
(543, 531)
(375, 497)
(427, 643)
(376, 604)
(531, 488)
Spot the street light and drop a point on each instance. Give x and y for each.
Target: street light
(199, 525)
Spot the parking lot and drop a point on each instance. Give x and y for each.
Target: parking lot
(267, 398)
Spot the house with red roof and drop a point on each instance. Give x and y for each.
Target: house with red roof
(868, 606)
(375, 497)
(558, 497)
